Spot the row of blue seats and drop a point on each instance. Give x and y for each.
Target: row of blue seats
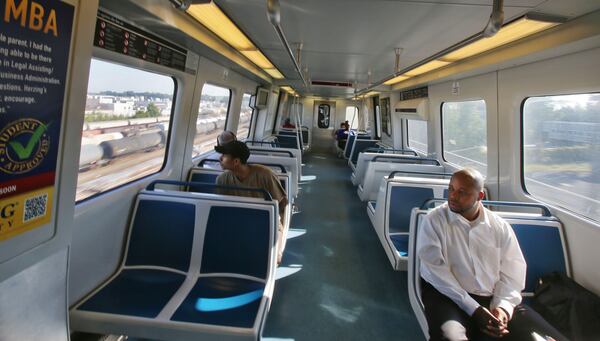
(195, 266)
(403, 199)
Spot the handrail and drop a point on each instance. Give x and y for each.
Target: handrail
(380, 149)
(415, 172)
(545, 210)
(153, 184)
(272, 151)
(272, 143)
(426, 160)
(281, 167)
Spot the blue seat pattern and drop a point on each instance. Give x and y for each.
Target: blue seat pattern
(142, 293)
(220, 287)
(542, 250)
(360, 147)
(203, 177)
(287, 141)
(226, 244)
(400, 243)
(402, 201)
(162, 234)
(349, 143)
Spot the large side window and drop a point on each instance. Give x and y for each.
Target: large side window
(212, 115)
(561, 151)
(464, 134)
(243, 129)
(126, 127)
(417, 135)
(352, 116)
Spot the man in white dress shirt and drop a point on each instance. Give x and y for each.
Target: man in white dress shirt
(473, 270)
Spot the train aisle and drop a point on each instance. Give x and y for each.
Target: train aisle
(335, 281)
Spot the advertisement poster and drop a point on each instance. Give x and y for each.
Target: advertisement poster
(35, 38)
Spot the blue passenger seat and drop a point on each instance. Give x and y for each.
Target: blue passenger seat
(196, 266)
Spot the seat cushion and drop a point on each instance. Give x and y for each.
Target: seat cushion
(142, 293)
(224, 301)
(400, 243)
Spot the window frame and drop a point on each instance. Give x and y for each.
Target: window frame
(251, 114)
(168, 138)
(407, 120)
(442, 129)
(375, 118)
(198, 113)
(356, 115)
(522, 156)
(328, 114)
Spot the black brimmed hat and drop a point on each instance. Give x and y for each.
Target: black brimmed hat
(236, 149)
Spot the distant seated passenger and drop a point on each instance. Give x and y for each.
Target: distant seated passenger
(341, 135)
(225, 137)
(238, 173)
(473, 270)
(288, 124)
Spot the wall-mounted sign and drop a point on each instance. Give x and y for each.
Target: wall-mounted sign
(35, 40)
(422, 92)
(118, 36)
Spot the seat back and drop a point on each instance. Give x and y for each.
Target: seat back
(377, 171)
(238, 239)
(543, 246)
(358, 146)
(161, 232)
(288, 141)
(365, 158)
(404, 194)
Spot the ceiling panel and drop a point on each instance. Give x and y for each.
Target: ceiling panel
(345, 39)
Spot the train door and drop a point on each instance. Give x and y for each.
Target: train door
(324, 121)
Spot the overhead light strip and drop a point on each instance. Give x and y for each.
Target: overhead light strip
(213, 18)
(513, 31)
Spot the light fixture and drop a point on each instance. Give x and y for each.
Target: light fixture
(525, 26)
(513, 31)
(274, 73)
(211, 16)
(429, 66)
(396, 80)
(258, 58)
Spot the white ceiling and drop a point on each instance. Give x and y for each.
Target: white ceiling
(344, 39)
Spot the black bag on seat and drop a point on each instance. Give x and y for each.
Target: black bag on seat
(568, 306)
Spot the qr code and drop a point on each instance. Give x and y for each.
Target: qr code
(35, 207)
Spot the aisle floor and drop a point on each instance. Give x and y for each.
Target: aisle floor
(335, 281)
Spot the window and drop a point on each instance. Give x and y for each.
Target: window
(323, 120)
(243, 129)
(464, 134)
(126, 127)
(386, 120)
(417, 135)
(377, 116)
(561, 151)
(212, 115)
(352, 117)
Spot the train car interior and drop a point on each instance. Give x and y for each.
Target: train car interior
(112, 225)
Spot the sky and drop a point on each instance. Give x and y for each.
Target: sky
(106, 76)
